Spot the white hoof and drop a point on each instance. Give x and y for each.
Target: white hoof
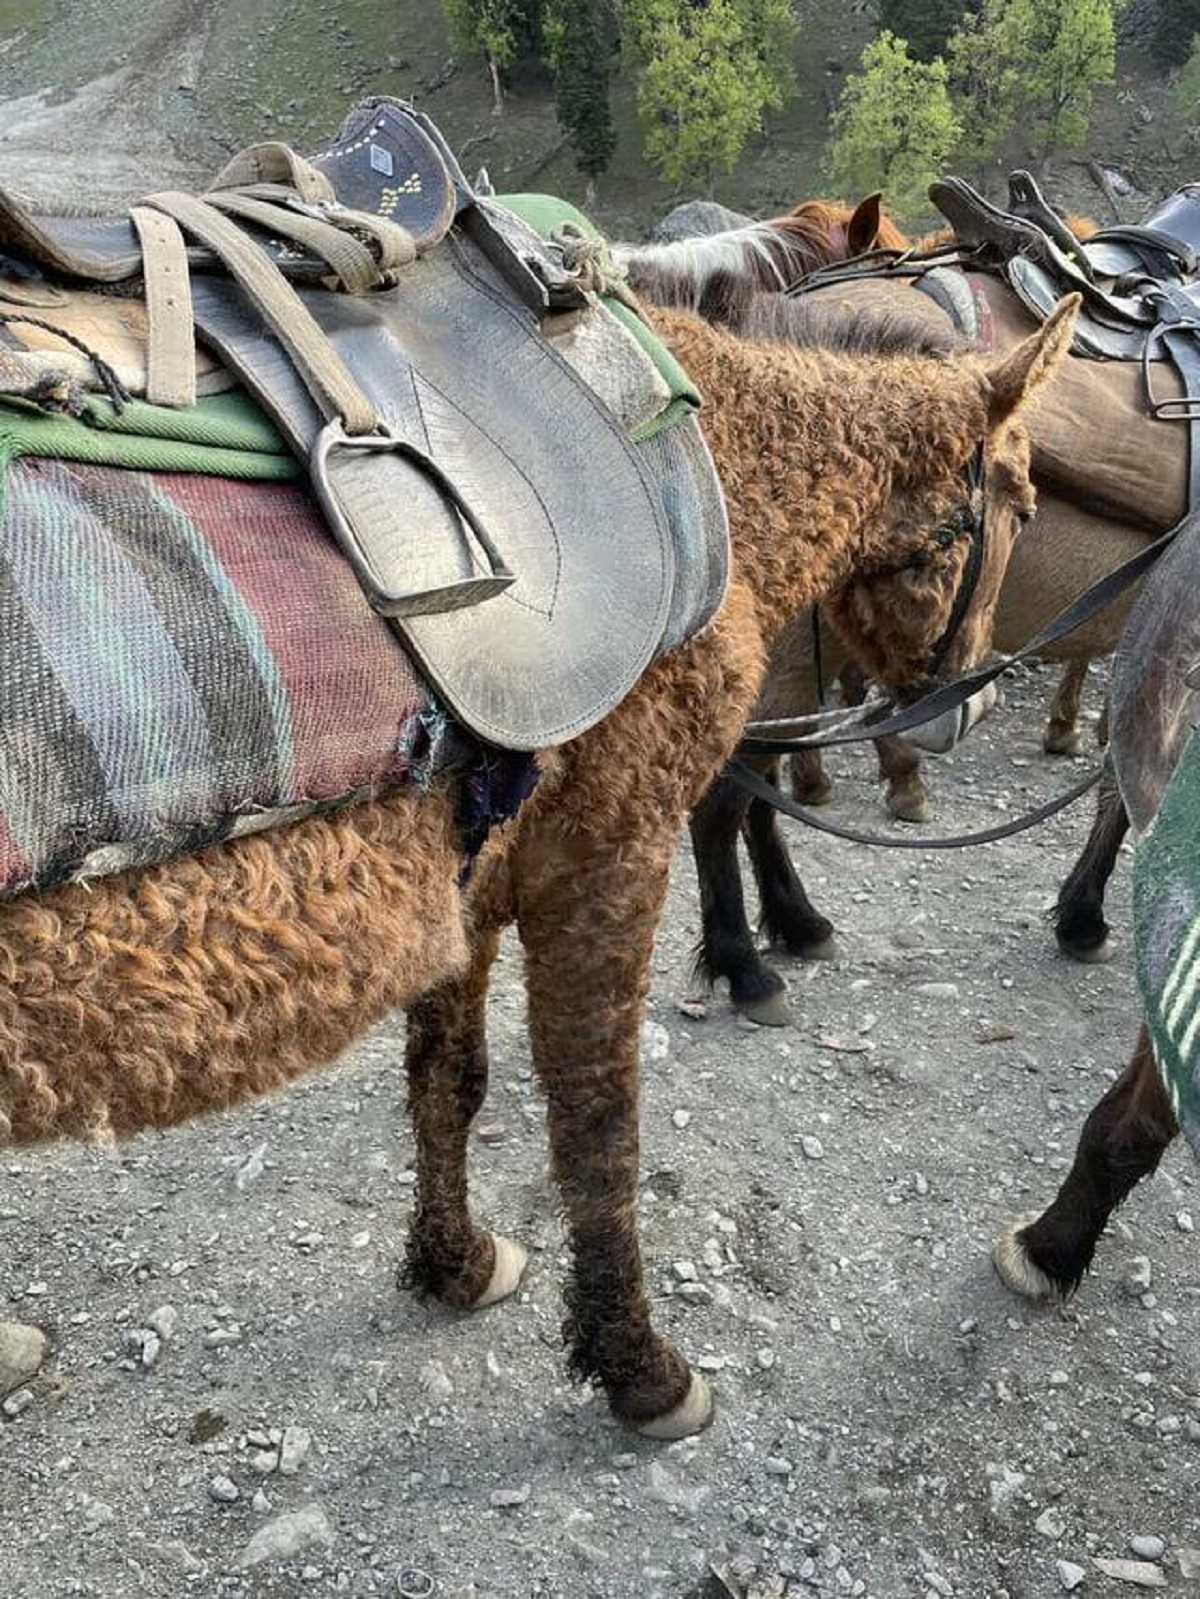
(511, 1261)
(1014, 1267)
(691, 1415)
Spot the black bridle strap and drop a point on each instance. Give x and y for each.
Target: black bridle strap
(951, 696)
(759, 788)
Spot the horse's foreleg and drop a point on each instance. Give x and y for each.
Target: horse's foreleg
(1062, 728)
(727, 946)
(587, 912)
(1079, 922)
(905, 793)
(811, 783)
(447, 1081)
(908, 799)
(1122, 1141)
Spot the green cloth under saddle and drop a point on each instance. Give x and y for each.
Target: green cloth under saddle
(1166, 914)
(228, 435)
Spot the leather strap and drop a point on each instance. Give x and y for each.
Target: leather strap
(348, 259)
(275, 162)
(171, 348)
(326, 376)
(953, 695)
(757, 785)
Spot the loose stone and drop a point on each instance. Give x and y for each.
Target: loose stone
(289, 1535)
(22, 1350)
(1070, 1575)
(223, 1491)
(1147, 1546)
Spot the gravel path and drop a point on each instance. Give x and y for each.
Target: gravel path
(232, 1365)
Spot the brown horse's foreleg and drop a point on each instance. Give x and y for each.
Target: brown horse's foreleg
(1079, 922)
(447, 1081)
(587, 911)
(1122, 1141)
(811, 783)
(1062, 729)
(906, 795)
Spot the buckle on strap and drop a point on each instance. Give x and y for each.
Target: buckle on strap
(418, 602)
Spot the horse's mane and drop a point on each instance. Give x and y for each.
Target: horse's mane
(832, 326)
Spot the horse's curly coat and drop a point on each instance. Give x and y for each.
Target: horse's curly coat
(141, 1000)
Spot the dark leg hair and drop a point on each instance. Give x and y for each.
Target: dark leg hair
(587, 917)
(811, 783)
(727, 946)
(788, 915)
(1079, 915)
(447, 1080)
(1122, 1141)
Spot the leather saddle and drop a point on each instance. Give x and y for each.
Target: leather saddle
(388, 321)
(1138, 283)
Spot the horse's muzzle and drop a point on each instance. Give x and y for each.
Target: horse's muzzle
(944, 732)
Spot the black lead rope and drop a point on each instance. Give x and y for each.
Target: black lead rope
(758, 786)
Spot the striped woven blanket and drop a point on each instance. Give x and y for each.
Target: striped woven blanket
(188, 657)
(1166, 909)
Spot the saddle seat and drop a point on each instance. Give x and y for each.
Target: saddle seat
(1137, 282)
(389, 322)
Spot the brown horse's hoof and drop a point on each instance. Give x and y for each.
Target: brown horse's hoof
(692, 1414)
(773, 1010)
(810, 787)
(1098, 955)
(1014, 1267)
(909, 802)
(511, 1261)
(1061, 740)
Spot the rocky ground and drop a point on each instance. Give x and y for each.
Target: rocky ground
(237, 1400)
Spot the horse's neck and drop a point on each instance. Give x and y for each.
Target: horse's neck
(809, 448)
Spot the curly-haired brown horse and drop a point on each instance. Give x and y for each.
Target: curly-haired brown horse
(147, 998)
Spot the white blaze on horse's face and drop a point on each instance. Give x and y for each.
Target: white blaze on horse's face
(941, 735)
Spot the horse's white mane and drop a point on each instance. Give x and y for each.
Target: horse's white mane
(692, 264)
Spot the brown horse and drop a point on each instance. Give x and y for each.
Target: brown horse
(717, 276)
(147, 998)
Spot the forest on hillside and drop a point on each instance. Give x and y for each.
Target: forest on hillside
(940, 84)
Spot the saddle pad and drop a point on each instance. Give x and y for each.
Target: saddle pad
(1166, 912)
(187, 658)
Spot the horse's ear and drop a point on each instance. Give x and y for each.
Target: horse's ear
(862, 231)
(1034, 361)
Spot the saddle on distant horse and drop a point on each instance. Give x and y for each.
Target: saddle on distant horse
(389, 323)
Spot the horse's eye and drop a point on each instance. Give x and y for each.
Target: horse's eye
(1026, 514)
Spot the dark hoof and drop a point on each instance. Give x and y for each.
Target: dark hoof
(1061, 740)
(1093, 955)
(811, 788)
(828, 949)
(774, 1010)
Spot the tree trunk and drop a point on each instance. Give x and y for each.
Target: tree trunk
(497, 87)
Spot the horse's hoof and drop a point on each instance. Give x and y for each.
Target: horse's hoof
(814, 794)
(692, 1414)
(1061, 741)
(827, 950)
(910, 804)
(772, 1010)
(1096, 955)
(511, 1261)
(1014, 1267)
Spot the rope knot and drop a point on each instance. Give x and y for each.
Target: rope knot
(590, 261)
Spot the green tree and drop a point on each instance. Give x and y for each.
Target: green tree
(924, 24)
(711, 68)
(1184, 114)
(1176, 24)
(1033, 64)
(581, 47)
(497, 29)
(895, 126)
